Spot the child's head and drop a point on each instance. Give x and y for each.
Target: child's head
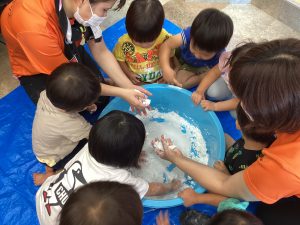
(267, 81)
(249, 130)
(234, 217)
(144, 21)
(210, 32)
(103, 203)
(72, 87)
(240, 50)
(117, 140)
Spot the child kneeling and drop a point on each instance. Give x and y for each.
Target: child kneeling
(115, 144)
(59, 131)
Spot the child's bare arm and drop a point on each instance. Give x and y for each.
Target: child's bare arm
(156, 189)
(212, 75)
(230, 104)
(164, 58)
(190, 197)
(131, 75)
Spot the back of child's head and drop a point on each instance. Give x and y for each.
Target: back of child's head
(250, 131)
(234, 217)
(267, 81)
(103, 203)
(72, 87)
(211, 30)
(117, 140)
(144, 20)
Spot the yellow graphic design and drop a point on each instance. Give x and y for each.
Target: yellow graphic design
(142, 61)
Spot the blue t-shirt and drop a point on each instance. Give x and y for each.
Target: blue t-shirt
(189, 58)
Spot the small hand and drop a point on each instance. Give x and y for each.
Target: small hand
(163, 218)
(91, 108)
(170, 77)
(220, 165)
(168, 152)
(135, 79)
(208, 105)
(175, 184)
(188, 196)
(197, 97)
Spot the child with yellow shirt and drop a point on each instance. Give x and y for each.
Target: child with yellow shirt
(137, 51)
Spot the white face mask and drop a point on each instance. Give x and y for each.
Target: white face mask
(93, 22)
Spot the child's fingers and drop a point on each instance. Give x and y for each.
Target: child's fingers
(176, 82)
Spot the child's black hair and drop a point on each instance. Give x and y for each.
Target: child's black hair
(211, 30)
(250, 131)
(117, 140)
(72, 87)
(103, 203)
(144, 20)
(234, 217)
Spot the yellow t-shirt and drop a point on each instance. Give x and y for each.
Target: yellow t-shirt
(141, 61)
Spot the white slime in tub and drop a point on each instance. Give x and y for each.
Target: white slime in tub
(184, 135)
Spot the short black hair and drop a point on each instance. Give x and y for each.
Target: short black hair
(211, 30)
(250, 131)
(117, 139)
(144, 20)
(234, 217)
(72, 87)
(103, 203)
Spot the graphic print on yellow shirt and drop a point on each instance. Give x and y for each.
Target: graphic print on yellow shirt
(141, 61)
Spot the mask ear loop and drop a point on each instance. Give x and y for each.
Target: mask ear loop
(91, 9)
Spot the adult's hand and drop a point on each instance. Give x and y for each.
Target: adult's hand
(169, 151)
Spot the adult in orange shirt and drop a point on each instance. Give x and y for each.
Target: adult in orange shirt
(41, 35)
(266, 79)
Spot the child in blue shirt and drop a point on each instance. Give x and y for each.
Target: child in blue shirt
(198, 48)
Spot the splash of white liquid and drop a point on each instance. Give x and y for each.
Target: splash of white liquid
(184, 135)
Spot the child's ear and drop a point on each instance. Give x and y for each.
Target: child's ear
(237, 125)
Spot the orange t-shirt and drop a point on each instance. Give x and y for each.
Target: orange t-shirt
(34, 40)
(276, 175)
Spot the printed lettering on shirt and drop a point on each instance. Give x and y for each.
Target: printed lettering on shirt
(59, 191)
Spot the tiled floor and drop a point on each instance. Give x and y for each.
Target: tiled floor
(249, 21)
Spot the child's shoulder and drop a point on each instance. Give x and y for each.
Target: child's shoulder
(186, 35)
(124, 38)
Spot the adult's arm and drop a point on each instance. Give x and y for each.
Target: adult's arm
(130, 95)
(109, 64)
(213, 180)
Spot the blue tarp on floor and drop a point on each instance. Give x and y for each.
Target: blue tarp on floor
(17, 162)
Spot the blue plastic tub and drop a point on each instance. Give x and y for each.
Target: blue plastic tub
(167, 98)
